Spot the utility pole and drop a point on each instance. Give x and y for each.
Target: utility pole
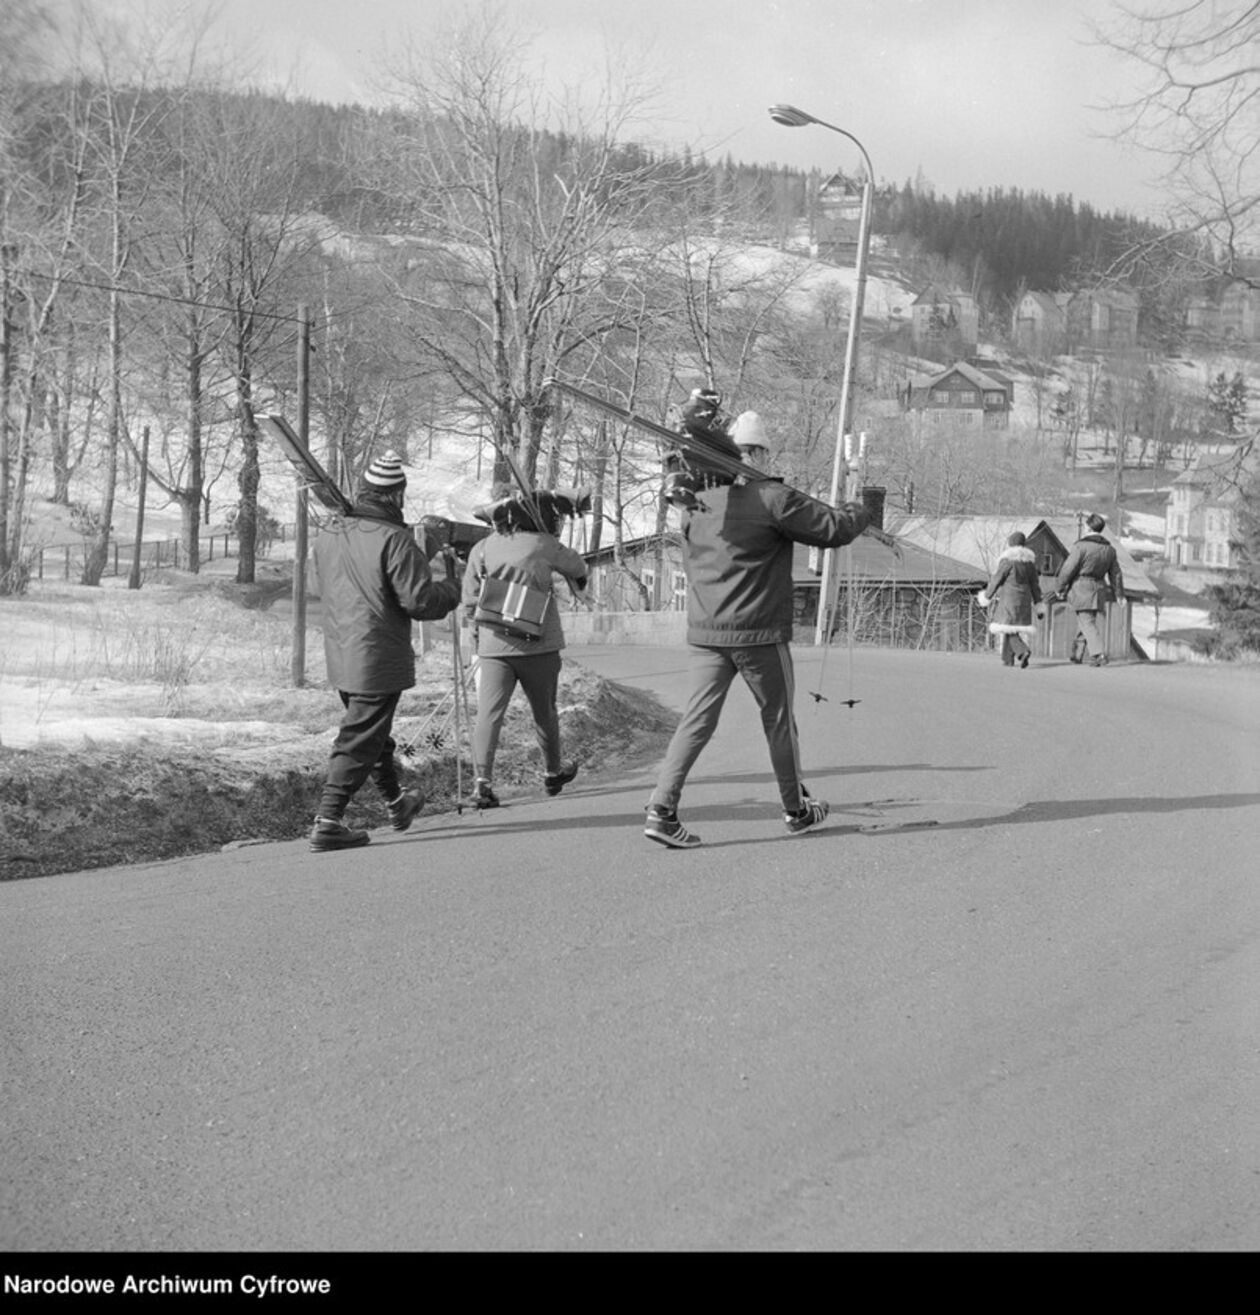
(299, 532)
(7, 252)
(133, 581)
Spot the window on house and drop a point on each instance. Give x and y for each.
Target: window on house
(1047, 566)
(994, 399)
(648, 576)
(679, 599)
(967, 397)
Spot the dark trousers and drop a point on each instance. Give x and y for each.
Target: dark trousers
(497, 678)
(1013, 647)
(768, 672)
(364, 747)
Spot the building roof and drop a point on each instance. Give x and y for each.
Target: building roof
(874, 563)
(1218, 471)
(976, 377)
(871, 562)
(980, 540)
(1045, 300)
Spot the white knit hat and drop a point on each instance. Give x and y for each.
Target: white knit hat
(749, 430)
(386, 472)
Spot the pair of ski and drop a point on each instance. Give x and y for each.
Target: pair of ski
(690, 447)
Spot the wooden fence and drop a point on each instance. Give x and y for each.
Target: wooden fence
(64, 560)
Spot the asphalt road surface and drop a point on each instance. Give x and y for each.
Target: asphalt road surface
(1007, 999)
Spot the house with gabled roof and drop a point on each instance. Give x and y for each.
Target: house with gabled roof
(1039, 321)
(980, 540)
(962, 395)
(1105, 319)
(944, 317)
(1201, 519)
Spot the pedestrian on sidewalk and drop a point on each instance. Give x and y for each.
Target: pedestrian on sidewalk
(737, 552)
(373, 580)
(1012, 592)
(522, 550)
(1089, 579)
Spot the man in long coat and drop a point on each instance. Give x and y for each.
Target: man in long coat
(1088, 571)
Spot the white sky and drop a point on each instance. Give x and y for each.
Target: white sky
(975, 93)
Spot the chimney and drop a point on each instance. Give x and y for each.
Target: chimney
(873, 500)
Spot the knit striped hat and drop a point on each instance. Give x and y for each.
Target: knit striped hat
(386, 472)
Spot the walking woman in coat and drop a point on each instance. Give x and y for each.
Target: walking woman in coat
(519, 550)
(1012, 593)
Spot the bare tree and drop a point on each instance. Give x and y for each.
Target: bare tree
(1196, 110)
(521, 206)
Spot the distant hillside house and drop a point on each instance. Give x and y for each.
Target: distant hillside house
(1040, 321)
(1105, 319)
(941, 317)
(1201, 519)
(1229, 312)
(839, 221)
(962, 395)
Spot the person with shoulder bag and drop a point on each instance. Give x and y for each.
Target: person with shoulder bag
(508, 598)
(374, 581)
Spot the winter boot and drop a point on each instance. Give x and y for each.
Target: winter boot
(556, 782)
(404, 808)
(330, 833)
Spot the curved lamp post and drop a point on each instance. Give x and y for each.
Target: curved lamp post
(790, 117)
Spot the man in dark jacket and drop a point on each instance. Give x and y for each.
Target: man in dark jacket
(374, 580)
(1087, 571)
(738, 557)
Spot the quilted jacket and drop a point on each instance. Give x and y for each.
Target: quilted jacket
(374, 580)
(738, 558)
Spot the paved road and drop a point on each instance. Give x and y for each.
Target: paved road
(1007, 999)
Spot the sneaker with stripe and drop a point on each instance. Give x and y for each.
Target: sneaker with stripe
(664, 827)
(813, 812)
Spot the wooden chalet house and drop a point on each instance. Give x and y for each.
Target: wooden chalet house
(980, 540)
(838, 221)
(961, 396)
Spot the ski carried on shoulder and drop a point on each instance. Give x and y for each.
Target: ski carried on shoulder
(311, 475)
(686, 445)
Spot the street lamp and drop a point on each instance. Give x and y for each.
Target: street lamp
(790, 117)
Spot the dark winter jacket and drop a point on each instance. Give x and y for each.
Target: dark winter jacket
(1086, 570)
(1012, 590)
(531, 558)
(374, 580)
(738, 557)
